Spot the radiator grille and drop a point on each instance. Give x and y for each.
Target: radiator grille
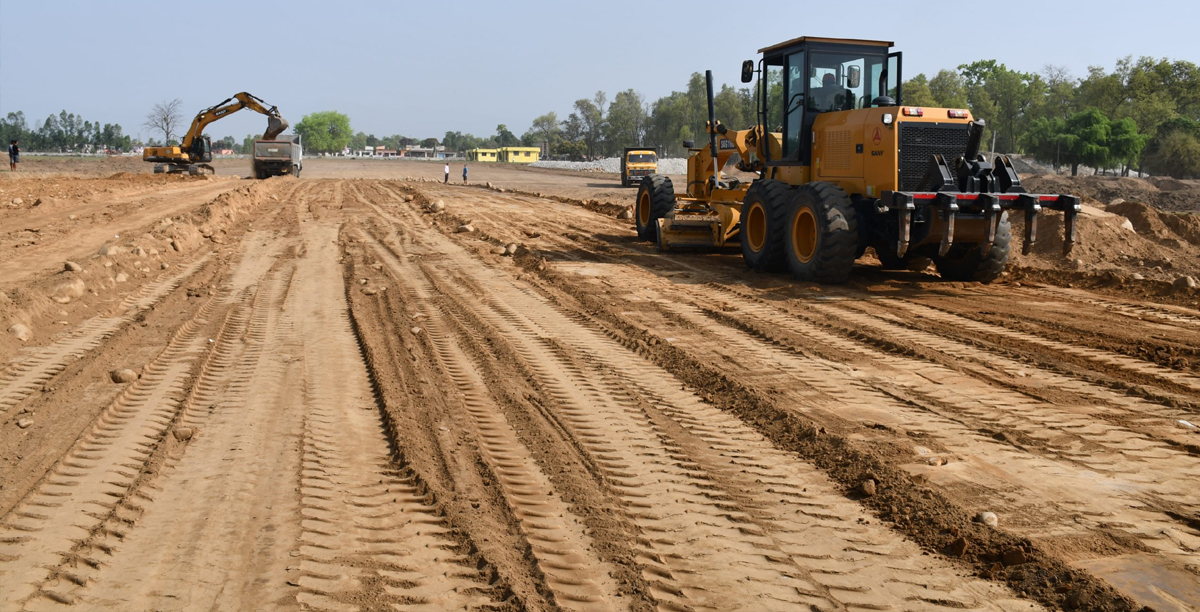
(920, 140)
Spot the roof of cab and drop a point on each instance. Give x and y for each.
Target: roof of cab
(843, 41)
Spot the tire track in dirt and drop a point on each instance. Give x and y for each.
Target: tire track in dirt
(109, 567)
(1175, 380)
(1145, 472)
(1178, 316)
(368, 536)
(577, 579)
(1162, 531)
(35, 367)
(726, 558)
(99, 470)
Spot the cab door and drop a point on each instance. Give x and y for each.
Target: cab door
(795, 92)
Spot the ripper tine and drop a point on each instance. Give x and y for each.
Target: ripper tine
(990, 205)
(949, 206)
(1032, 207)
(1071, 208)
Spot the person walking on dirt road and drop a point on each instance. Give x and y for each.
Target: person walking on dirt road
(447, 173)
(464, 174)
(14, 155)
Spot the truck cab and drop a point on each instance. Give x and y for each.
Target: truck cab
(636, 163)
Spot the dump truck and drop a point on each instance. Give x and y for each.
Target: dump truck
(637, 163)
(846, 167)
(278, 157)
(194, 153)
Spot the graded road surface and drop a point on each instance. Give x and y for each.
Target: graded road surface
(340, 401)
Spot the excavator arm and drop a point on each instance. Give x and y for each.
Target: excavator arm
(276, 124)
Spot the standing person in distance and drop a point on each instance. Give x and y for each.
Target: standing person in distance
(464, 174)
(447, 173)
(14, 155)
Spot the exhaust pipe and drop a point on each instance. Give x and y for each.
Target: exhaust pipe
(712, 128)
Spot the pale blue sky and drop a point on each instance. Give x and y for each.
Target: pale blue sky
(420, 69)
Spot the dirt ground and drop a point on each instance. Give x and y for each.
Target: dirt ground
(315, 393)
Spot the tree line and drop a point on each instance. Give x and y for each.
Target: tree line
(64, 133)
(1142, 116)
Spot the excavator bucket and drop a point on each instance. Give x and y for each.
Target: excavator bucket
(275, 127)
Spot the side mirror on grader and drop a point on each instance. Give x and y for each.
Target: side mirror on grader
(850, 169)
(747, 71)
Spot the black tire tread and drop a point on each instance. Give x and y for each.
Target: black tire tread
(662, 202)
(836, 249)
(775, 197)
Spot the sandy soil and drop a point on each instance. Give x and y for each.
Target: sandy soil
(339, 401)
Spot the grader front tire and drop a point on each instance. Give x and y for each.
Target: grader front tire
(821, 234)
(764, 216)
(655, 200)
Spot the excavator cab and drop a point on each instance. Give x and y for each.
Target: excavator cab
(202, 150)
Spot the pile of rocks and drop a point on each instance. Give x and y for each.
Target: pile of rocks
(670, 165)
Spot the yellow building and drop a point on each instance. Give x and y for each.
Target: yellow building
(482, 155)
(519, 155)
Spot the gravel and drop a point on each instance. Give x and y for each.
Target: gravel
(670, 165)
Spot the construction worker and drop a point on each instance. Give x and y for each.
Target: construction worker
(447, 173)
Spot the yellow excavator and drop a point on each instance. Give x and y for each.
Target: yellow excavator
(194, 153)
(843, 165)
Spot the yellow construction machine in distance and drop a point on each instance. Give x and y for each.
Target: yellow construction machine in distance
(846, 166)
(194, 152)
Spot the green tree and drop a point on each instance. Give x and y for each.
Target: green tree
(1159, 154)
(325, 131)
(917, 93)
(591, 117)
(504, 137)
(1177, 155)
(626, 124)
(358, 141)
(545, 129)
(948, 88)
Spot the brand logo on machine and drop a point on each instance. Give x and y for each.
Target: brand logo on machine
(876, 137)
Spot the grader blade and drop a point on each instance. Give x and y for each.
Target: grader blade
(687, 233)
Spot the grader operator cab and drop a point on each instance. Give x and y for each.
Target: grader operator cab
(842, 165)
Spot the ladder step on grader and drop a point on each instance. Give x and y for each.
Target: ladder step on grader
(846, 166)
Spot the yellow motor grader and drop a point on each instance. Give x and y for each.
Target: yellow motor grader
(846, 166)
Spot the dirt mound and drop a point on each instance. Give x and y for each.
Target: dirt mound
(1151, 222)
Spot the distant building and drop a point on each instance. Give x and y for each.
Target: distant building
(417, 152)
(518, 155)
(482, 155)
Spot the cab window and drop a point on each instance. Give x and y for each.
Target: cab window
(843, 81)
(794, 107)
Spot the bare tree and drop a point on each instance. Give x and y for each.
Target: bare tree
(164, 117)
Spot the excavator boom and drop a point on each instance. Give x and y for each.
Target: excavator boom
(276, 124)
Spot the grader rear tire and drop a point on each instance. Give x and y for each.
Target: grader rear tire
(764, 217)
(965, 263)
(821, 234)
(655, 200)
